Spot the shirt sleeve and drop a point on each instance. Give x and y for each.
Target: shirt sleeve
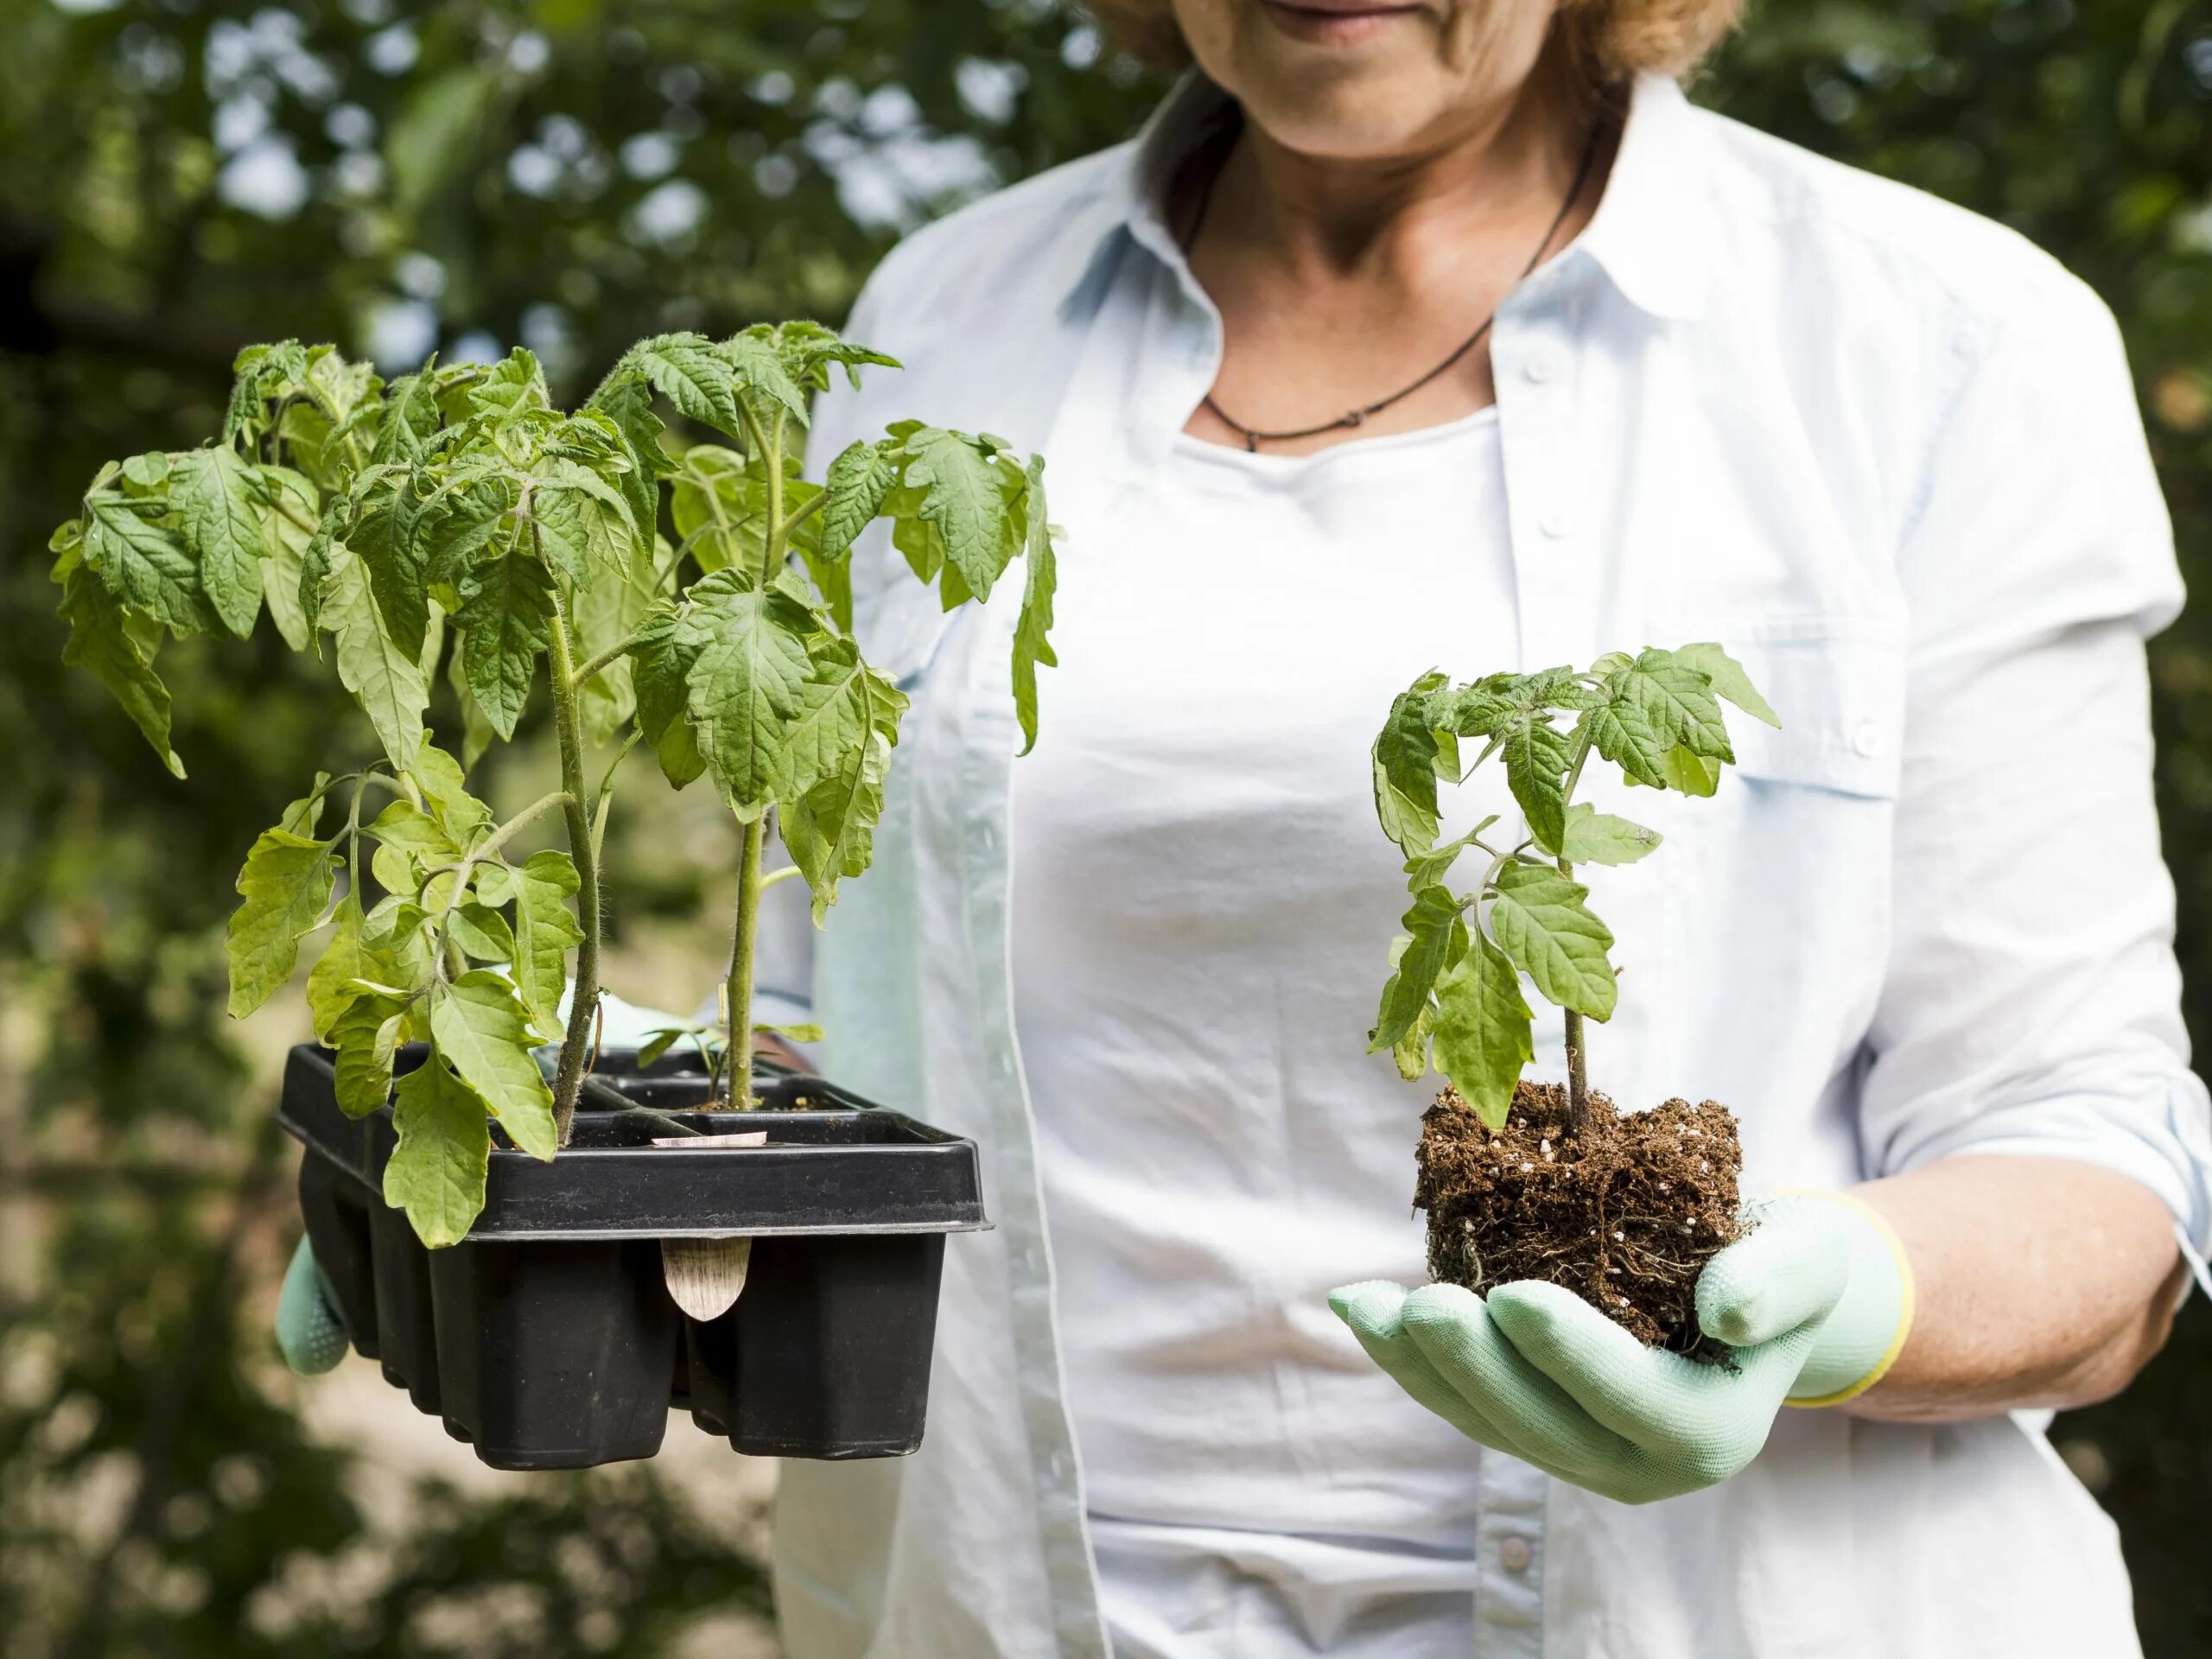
(2031, 1000)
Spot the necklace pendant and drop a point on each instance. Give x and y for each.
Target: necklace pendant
(1357, 417)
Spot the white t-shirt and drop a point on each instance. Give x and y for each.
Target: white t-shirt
(1203, 911)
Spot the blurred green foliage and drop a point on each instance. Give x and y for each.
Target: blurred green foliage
(186, 175)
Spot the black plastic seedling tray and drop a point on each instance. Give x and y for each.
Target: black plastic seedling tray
(547, 1339)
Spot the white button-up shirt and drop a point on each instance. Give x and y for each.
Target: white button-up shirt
(1888, 454)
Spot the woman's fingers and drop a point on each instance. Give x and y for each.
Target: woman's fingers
(1702, 1421)
(1792, 1267)
(1456, 1332)
(309, 1332)
(1375, 1311)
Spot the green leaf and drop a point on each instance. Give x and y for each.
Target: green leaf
(315, 560)
(1476, 710)
(338, 387)
(1540, 922)
(288, 541)
(660, 1041)
(392, 536)
(303, 817)
(506, 618)
(750, 664)
(365, 1037)
(857, 482)
(437, 1171)
(1483, 1030)
(685, 369)
(477, 508)
(830, 830)
(476, 732)
(1692, 774)
(330, 987)
(410, 420)
(148, 471)
(966, 499)
(1728, 679)
(808, 349)
(513, 384)
(479, 1026)
(220, 502)
(759, 372)
(1437, 937)
(1032, 644)
(917, 539)
(103, 643)
(286, 886)
(583, 526)
(145, 563)
(1624, 734)
(1410, 1053)
(1595, 837)
(1431, 867)
(1405, 768)
(605, 614)
(1675, 702)
(407, 826)
(626, 398)
(660, 671)
(840, 703)
(261, 372)
(482, 933)
(385, 679)
(1537, 757)
(461, 818)
(545, 931)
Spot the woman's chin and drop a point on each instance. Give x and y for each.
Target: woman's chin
(1344, 117)
(1358, 94)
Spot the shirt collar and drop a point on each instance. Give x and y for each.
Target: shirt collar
(1647, 235)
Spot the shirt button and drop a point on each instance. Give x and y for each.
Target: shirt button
(1553, 524)
(1541, 367)
(1514, 1554)
(1867, 739)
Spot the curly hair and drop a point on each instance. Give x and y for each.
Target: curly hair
(1614, 40)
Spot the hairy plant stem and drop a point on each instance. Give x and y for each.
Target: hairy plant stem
(575, 808)
(738, 1055)
(768, 455)
(614, 652)
(1578, 1083)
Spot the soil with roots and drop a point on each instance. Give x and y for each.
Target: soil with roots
(1625, 1212)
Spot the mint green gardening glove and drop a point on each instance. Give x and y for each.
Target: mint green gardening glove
(309, 1332)
(1816, 1302)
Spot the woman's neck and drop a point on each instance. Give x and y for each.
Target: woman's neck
(1355, 284)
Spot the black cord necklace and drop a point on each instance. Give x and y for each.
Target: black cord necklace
(1254, 438)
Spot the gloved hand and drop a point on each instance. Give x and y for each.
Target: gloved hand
(1817, 1301)
(309, 1331)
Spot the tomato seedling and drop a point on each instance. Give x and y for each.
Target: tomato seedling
(1454, 996)
(457, 521)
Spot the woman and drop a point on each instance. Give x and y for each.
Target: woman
(1448, 333)
(1887, 454)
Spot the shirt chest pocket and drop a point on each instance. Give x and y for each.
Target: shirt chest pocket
(1837, 685)
(1800, 826)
